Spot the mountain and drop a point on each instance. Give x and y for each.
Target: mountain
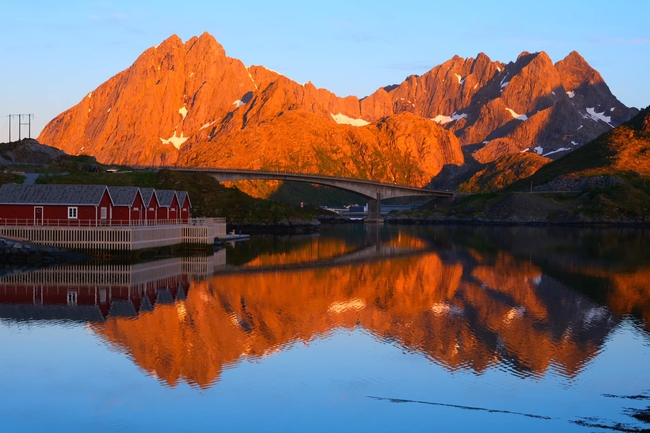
(190, 104)
(623, 150)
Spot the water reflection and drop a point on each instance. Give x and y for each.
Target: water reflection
(96, 292)
(466, 299)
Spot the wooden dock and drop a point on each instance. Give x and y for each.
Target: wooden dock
(197, 231)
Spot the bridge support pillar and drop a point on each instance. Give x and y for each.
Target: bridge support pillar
(374, 210)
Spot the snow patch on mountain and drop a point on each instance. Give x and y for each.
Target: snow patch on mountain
(183, 111)
(441, 119)
(561, 149)
(209, 124)
(342, 119)
(174, 140)
(591, 111)
(571, 94)
(521, 117)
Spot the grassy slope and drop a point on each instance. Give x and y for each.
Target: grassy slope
(503, 172)
(623, 155)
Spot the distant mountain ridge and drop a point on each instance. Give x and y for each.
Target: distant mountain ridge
(190, 104)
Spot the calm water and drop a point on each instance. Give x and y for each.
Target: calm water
(356, 329)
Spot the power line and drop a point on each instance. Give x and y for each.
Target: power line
(21, 123)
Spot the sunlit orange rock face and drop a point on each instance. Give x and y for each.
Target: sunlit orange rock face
(190, 104)
(504, 171)
(462, 316)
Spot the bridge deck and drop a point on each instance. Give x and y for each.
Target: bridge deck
(368, 188)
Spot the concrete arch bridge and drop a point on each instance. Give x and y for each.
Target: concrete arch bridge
(374, 191)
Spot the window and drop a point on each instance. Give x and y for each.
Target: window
(184, 209)
(72, 213)
(103, 213)
(72, 297)
(135, 208)
(151, 209)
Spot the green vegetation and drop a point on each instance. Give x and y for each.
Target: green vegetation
(6, 177)
(296, 192)
(209, 197)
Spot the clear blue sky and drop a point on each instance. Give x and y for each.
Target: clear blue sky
(55, 52)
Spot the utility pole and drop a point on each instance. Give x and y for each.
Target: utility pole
(21, 123)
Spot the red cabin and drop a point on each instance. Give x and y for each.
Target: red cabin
(185, 206)
(151, 205)
(169, 210)
(63, 205)
(128, 205)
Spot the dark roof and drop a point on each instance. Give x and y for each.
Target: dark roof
(122, 308)
(164, 296)
(165, 197)
(90, 195)
(182, 195)
(123, 195)
(25, 312)
(147, 195)
(145, 305)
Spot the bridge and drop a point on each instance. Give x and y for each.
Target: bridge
(373, 191)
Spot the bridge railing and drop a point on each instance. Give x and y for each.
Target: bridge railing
(280, 173)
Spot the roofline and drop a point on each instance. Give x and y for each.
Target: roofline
(65, 204)
(130, 205)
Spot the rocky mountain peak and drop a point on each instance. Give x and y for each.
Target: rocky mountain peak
(189, 103)
(576, 72)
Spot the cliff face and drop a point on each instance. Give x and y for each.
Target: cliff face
(190, 104)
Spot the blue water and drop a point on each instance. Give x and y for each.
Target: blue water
(346, 375)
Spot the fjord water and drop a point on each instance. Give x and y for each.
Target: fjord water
(359, 328)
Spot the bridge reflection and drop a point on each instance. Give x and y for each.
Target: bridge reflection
(472, 314)
(461, 308)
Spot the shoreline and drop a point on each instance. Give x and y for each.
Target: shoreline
(509, 222)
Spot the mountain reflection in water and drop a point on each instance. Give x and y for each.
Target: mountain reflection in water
(450, 299)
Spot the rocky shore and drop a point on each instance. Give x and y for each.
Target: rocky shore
(23, 256)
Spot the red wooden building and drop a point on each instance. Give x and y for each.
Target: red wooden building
(128, 205)
(185, 206)
(169, 210)
(83, 205)
(151, 205)
(91, 205)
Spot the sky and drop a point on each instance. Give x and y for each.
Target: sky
(54, 53)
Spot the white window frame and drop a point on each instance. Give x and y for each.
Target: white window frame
(103, 213)
(73, 213)
(73, 297)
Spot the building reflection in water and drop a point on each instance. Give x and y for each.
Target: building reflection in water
(466, 311)
(94, 292)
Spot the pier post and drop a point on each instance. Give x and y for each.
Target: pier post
(374, 210)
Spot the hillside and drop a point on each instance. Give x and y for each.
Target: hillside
(617, 152)
(605, 181)
(209, 197)
(27, 151)
(187, 103)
